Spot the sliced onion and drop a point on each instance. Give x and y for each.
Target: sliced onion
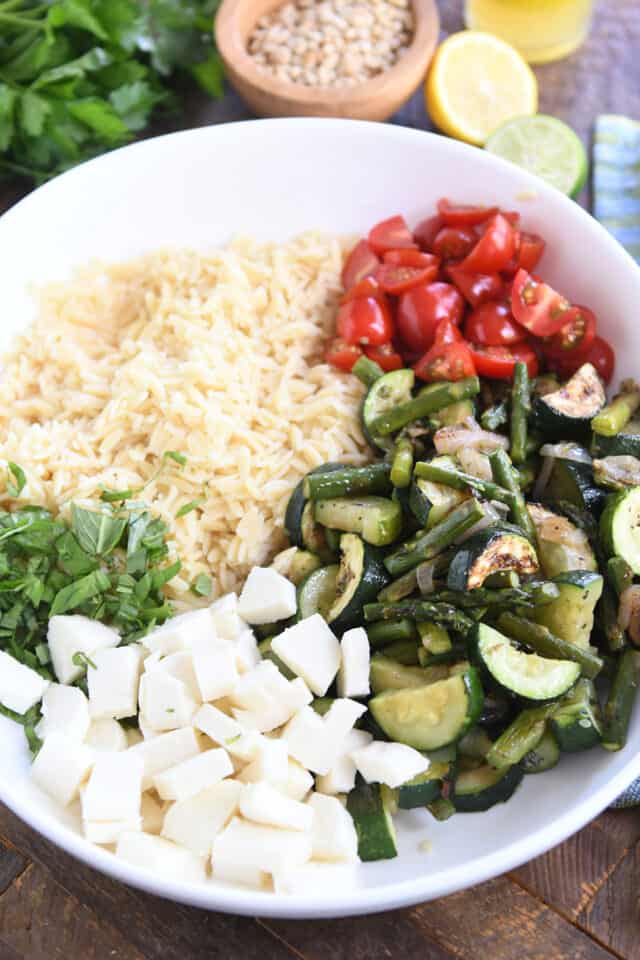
(566, 451)
(466, 435)
(629, 613)
(475, 463)
(501, 509)
(425, 575)
(543, 477)
(491, 515)
(622, 471)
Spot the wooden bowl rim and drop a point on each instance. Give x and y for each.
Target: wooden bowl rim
(408, 69)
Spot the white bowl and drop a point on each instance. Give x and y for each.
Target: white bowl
(272, 179)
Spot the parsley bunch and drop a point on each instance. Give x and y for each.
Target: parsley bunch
(78, 77)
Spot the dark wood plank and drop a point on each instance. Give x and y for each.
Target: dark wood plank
(159, 929)
(612, 915)
(502, 921)
(12, 863)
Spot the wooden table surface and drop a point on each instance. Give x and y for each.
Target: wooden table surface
(579, 902)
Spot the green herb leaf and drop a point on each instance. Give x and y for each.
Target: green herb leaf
(7, 123)
(77, 13)
(133, 102)
(75, 69)
(72, 558)
(99, 116)
(202, 584)
(161, 576)
(97, 532)
(76, 593)
(32, 113)
(209, 74)
(17, 480)
(80, 659)
(192, 505)
(175, 455)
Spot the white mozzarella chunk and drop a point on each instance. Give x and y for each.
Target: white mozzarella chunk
(268, 698)
(353, 675)
(165, 703)
(298, 783)
(258, 847)
(333, 834)
(107, 735)
(178, 633)
(193, 775)
(71, 634)
(254, 689)
(315, 878)
(108, 831)
(114, 789)
(266, 597)
(64, 710)
(311, 650)
(165, 751)
(389, 763)
(161, 857)
(245, 647)
(341, 777)
(227, 621)
(233, 874)
(226, 731)
(262, 803)
(317, 742)
(214, 664)
(20, 686)
(61, 766)
(152, 811)
(271, 764)
(180, 666)
(133, 735)
(339, 721)
(196, 822)
(113, 682)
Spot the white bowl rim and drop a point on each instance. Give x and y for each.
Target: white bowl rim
(244, 901)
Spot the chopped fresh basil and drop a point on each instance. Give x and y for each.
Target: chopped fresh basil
(192, 505)
(202, 584)
(16, 481)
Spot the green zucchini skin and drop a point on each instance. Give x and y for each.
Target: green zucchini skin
(480, 789)
(571, 616)
(373, 823)
(377, 519)
(566, 413)
(296, 505)
(543, 757)
(573, 482)
(492, 550)
(317, 592)
(625, 443)
(562, 546)
(577, 723)
(388, 674)
(620, 527)
(388, 391)
(360, 577)
(428, 786)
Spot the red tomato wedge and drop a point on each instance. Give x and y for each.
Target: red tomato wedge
(576, 333)
(426, 232)
(369, 287)
(389, 235)
(477, 288)
(422, 308)
(396, 279)
(537, 306)
(494, 249)
(342, 355)
(365, 321)
(447, 332)
(410, 258)
(385, 356)
(498, 363)
(454, 243)
(492, 324)
(531, 251)
(599, 353)
(446, 361)
(360, 263)
(461, 215)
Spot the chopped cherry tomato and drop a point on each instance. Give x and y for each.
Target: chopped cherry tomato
(494, 249)
(460, 215)
(342, 355)
(454, 243)
(426, 232)
(360, 263)
(369, 287)
(513, 266)
(447, 332)
(389, 235)
(599, 353)
(365, 321)
(492, 324)
(410, 258)
(531, 250)
(385, 356)
(537, 306)
(477, 288)
(498, 362)
(577, 333)
(396, 279)
(421, 309)
(446, 361)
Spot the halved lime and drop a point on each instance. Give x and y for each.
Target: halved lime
(544, 146)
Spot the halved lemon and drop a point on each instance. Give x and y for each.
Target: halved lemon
(476, 83)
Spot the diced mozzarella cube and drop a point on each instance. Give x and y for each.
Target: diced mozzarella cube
(165, 751)
(165, 703)
(113, 682)
(270, 765)
(106, 735)
(153, 813)
(246, 650)
(20, 686)
(315, 878)
(71, 634)
(196, 822)
(65, 710)
(266, 597)
(333, 833)
(214, 663)
(232, 873)
(389, 763)
(339, 720)
(258, 847)
(161, 857)
(254, 689)
(227, 732)
(114, 788)
(341, 777)
(263, 803)
(298, 783)
(193, 775)
(61, 766)
(227, 621)
(268, 698)
(180, 666)
(133, 735)
(315, 741)
(353, 675)
(179, 632)
(108, 831)
(311, 650)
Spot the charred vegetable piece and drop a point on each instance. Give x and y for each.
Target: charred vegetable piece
(427, 545)
(359, 579)
(566, 414)
(492, 550)
(545, 643)
(562, 546)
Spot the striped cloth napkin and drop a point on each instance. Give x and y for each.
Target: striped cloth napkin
(616, 204)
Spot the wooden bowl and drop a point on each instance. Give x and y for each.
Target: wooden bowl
(374, 99)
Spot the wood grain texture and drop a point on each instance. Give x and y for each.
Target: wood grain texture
(613, 916)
